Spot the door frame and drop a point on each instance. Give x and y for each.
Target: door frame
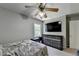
(67, 31)
(68, 19)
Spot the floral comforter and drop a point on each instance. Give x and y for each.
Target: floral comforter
(25, 48)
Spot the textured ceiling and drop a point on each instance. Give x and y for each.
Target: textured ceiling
(19, 8)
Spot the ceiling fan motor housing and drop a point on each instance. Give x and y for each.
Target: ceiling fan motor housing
(41, 7)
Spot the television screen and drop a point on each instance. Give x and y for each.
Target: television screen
(54, 26)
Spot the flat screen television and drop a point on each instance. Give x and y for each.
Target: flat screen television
(54, 26)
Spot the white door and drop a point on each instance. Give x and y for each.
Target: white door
(74, 34)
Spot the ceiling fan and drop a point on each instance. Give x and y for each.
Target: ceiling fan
(42, 8)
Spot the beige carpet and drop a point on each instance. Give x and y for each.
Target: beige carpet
(70, 50)
(56, 52)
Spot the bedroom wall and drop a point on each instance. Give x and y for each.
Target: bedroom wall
(63, 33)
(14, 27)
(74, 7)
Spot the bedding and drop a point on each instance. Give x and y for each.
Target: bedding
(25, 48)
(1, 50)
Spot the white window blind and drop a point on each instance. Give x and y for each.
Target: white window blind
(37, 30)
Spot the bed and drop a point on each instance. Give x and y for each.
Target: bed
(24, 48)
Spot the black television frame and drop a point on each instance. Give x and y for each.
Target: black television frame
(58, 25)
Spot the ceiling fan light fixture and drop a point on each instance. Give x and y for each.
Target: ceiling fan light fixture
(42, 15)
(45, 15)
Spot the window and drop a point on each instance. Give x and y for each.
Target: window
(37, 30)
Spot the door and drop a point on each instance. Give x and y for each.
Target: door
(74, 34)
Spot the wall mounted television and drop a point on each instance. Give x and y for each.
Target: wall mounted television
(54, 26)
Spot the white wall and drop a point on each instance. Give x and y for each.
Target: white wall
(74, 7)
(63, 33)
(14, 27)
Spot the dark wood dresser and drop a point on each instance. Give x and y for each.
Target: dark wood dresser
(55, 41)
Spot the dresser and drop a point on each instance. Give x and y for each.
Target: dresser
(54, 41)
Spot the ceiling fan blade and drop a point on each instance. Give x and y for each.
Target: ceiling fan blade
(30, 6)
(52, 9)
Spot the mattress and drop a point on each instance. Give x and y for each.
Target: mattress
(25, 48)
